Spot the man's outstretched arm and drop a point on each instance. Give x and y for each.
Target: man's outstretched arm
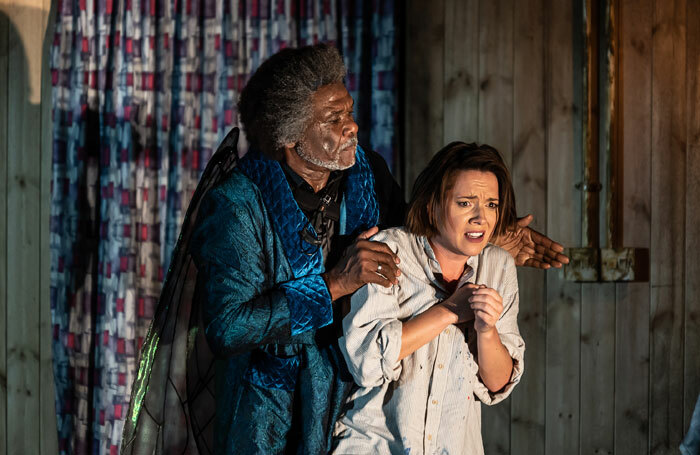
(530, 248)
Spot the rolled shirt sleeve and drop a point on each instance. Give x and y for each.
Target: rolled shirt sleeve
(509, 334)
(372, 336)
(434, 404)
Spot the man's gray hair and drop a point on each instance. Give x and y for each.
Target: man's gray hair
(275, 105)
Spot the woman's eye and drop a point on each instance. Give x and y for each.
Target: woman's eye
(493, 205)
(463, 203)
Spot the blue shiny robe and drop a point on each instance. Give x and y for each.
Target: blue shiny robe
(280, 379)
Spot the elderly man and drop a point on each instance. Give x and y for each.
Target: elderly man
(281, 241)
(260, 245)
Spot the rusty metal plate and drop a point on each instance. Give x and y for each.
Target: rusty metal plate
(607, 264)
(583, 264)
(624, 264)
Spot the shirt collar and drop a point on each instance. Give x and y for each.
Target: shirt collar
(297, 181)
(470, 270)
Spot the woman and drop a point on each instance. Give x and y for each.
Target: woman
(426, 352)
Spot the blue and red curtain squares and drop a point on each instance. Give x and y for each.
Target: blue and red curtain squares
(143, 92)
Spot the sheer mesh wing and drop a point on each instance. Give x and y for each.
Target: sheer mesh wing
(172, 399)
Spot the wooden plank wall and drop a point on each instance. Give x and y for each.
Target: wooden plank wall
(4, 37)
(633, 299)
(691, 378)
(610, 367)
(529, 177)
(27, 410)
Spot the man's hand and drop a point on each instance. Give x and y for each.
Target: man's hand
(530, 248)
(363, 262)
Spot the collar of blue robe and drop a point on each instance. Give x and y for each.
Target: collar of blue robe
(288, 220)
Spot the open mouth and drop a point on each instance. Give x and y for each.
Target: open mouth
(475, 236)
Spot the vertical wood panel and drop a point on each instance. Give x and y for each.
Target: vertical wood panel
(529, 180)
(632, 369)
(4, 38)
(692, 222)
(424, 85)
(691, 381)
(461, 96)
(656, 325)
(632, 313)
(49, 436)
(23, 234)
(496, 75)
(563, 298)
(496, 129)
(667, 224)
(597, 368)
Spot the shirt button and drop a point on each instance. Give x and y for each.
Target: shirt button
(440, 366)
(434, 401)
(430, 437)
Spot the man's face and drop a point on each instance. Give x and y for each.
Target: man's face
(330, 140)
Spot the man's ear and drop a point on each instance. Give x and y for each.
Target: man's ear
(287, 151)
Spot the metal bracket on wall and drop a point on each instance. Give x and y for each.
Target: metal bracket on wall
(600, 125)
(607, 264)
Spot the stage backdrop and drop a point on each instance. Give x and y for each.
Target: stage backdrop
(143, 91)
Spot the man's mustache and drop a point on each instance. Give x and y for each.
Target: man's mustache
(350, 143)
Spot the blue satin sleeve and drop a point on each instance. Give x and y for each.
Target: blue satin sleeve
(249, 293)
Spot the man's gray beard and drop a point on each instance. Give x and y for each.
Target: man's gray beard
(330, 165)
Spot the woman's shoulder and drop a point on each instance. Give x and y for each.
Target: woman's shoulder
(498, 256)
(409, 247)
(498, 271)
(396, 236)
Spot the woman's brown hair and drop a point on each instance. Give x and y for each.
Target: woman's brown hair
(426, 208)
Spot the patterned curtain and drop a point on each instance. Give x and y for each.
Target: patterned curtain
(143, 93)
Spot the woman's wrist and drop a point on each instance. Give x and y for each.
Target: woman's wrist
(488, 335)
(447, 313)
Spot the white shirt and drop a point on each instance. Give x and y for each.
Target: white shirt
(430, 402)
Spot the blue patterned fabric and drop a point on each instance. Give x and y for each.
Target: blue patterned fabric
(142, 94)
(310, 303)
(272, 372)
(287, 218)
(370, 49)
(263, 317)
(308, 297)
(691, 442)
(360, 199)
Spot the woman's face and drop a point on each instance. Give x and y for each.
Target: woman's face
(470, 213)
